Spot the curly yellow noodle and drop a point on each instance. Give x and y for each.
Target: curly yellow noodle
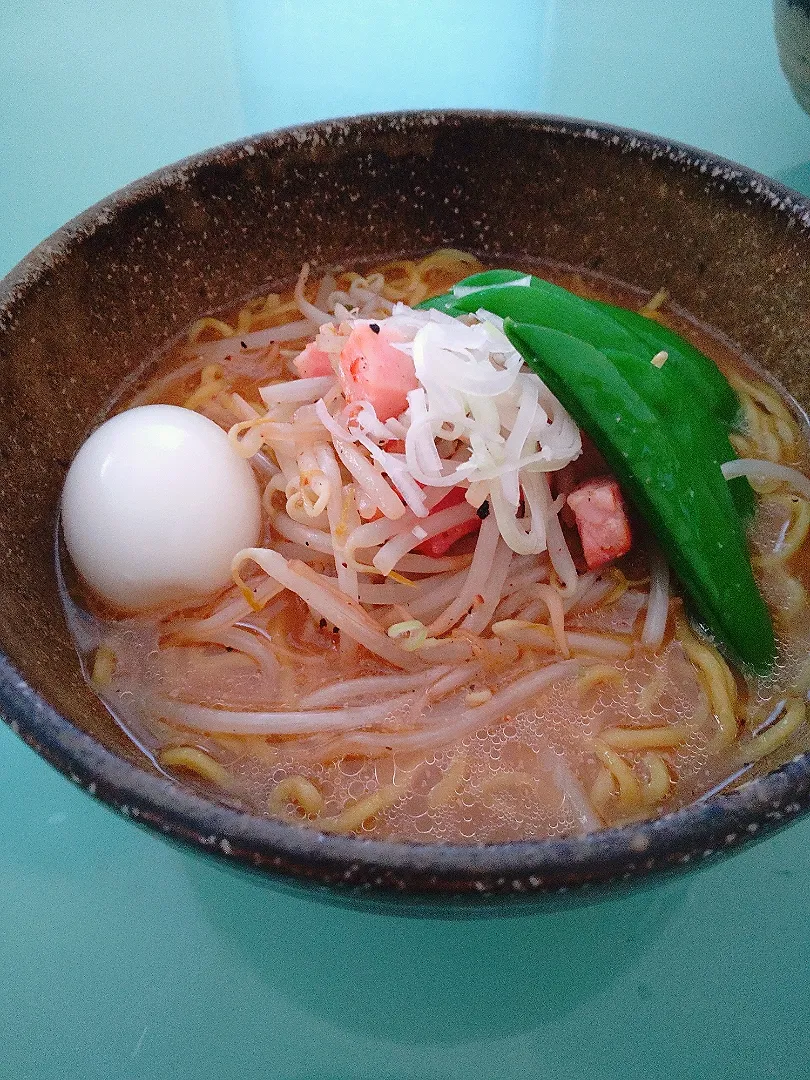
(618, 590)
(297, 790)
(663, 737)
(629, 787)
(197, 761)
(659, 779)
(264, 311)
(753, 416)
(220, 328)
(794, 594)
(347, 278)
(770, 430)
(760, 431)
(244, 322)
(258, 314)
(770, 446)
(212, 382)
(718, 681)
(766, 397)
(773, 440)
(603, 790)
(747, 448)
(446, 789)
(787, 432)
(450, 260)
(776, 735)
(252, 746)
(540, 636)
(402, 281)
(277, 316)
(598, 674)
(443, 268)
(353, 817)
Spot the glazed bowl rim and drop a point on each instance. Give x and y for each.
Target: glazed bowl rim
(696, 832)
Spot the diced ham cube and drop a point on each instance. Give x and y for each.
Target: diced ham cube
(601, 521)
(372, 370)
(439, 545)
(394, 446)
(589, 464)
(313, 362)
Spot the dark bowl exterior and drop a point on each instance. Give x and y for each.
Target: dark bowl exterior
(83, 310)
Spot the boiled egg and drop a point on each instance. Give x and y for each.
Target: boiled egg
(156, 504)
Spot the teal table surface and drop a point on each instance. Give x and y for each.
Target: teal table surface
(122, 955)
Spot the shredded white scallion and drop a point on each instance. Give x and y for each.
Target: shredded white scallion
(760, 469)
(467, 290)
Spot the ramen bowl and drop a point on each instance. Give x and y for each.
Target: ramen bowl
(87, 307)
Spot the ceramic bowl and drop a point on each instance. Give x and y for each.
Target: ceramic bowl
(84, 309)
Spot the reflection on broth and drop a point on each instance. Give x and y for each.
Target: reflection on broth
(444, 660)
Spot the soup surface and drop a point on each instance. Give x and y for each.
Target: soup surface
(406, 674)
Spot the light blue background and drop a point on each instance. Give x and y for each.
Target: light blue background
(124, 956)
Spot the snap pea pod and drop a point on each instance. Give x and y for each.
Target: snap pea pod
(723, 399)
(686, 501)
(446, 301)
(602, 325)
(698, 433)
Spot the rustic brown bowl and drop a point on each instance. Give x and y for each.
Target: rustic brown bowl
(85, 308)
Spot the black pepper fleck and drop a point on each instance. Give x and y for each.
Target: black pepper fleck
(374, 328)
(483, 509)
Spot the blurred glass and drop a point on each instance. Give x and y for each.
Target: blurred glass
(323, 59)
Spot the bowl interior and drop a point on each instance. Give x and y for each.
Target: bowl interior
(91, 305)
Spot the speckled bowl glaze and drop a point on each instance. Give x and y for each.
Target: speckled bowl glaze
(87, 306)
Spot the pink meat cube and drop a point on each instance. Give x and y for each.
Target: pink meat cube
(313, 362)
(372, 370)
(601, 521)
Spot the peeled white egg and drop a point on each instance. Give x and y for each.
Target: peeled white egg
(156, 504)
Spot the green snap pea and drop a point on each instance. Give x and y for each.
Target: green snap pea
(682, 495)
